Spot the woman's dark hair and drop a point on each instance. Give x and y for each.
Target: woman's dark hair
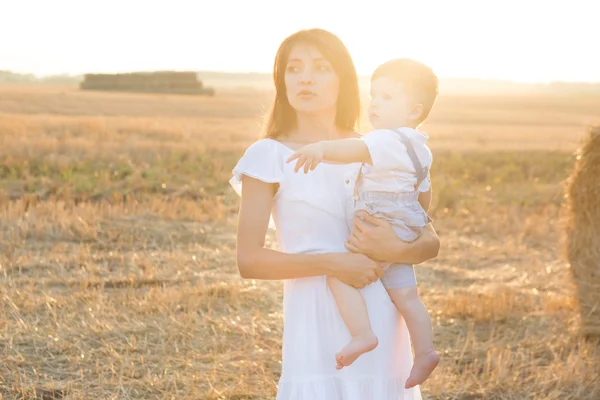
(282, 117)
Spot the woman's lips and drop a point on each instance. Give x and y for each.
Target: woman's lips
(306, 94)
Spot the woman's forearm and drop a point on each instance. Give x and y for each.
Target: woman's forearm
(375, 238)
(267, 264)
(426, 247)
(355, 270)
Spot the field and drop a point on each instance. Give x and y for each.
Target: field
(117, 249)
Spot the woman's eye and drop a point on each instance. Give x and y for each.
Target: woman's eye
(323, 68)
(293, 68)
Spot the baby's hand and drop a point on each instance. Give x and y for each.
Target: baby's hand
(310, 156)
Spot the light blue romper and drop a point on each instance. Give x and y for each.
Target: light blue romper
(403, 211)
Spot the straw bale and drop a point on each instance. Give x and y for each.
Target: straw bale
(583, 231)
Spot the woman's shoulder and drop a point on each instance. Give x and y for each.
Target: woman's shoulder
(263, 147)
(261, 160)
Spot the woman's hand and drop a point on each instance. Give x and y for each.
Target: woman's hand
(375, 238)
(308, 156)
(356, 270)
(370, 235)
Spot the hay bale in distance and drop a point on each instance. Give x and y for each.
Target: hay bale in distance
(148, 82)
(583, 231)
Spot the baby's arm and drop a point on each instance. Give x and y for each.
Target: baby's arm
(346, 151)
(342, 151)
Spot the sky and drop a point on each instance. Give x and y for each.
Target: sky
(518, 40)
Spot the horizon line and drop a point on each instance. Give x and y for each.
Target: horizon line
(265, 73)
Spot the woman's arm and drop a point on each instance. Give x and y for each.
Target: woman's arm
(254, 261)
(375, 238)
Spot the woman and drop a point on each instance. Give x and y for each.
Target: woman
(317, 98)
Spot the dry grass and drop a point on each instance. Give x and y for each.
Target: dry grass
(117, 270)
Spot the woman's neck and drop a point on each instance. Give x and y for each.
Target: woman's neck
(315, 127)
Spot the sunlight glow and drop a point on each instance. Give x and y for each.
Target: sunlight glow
(537, 41)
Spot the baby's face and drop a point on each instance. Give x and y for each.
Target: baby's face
(390, 107)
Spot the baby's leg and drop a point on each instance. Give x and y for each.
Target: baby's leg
(399, 283)
(353, 309)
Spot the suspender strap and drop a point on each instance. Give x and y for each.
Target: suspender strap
(421, 172)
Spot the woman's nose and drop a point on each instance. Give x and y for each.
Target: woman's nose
(307, 76)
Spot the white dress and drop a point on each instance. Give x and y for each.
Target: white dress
(309, 215)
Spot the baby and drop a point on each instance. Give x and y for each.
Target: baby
(393, 183)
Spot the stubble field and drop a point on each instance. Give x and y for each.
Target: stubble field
(117, 249)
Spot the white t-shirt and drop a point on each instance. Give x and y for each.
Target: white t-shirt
(393, 169)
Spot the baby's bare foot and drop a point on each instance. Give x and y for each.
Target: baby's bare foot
(357, 346)
(423, 367)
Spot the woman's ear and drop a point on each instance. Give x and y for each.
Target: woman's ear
(416, 112)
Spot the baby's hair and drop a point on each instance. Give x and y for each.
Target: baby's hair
(419, 81)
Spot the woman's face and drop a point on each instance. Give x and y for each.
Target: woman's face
(311, 84)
